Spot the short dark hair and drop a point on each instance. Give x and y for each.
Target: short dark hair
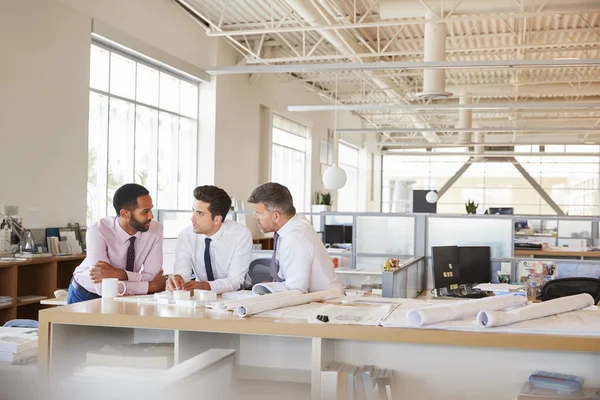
(275, 197)
(218, 200)
(126, 197)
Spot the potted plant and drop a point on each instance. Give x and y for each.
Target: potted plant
(471, 207)
(321, 203)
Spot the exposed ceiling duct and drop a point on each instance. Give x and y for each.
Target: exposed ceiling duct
(465, 120)
(434, 80)
(347, 45)
(392, 9)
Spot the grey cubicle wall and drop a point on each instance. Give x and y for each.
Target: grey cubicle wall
(379, 236)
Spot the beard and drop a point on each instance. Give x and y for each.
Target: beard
(138, 226)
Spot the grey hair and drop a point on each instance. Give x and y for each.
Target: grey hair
(275, 197)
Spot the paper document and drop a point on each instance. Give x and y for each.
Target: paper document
(470, 308)
(269, 287)
(486, 319)
(499, 287)
(274, 302)
(353, 315)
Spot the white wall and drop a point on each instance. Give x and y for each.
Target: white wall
(44, 84)
(44, 75)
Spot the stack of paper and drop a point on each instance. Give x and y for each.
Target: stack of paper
(18, 345)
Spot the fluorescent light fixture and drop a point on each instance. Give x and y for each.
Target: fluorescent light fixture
(492, 130)
(383, 66)
(445, 106)
(421, 145)
(494, 154)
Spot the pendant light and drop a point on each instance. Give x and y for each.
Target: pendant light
(431, 196)
(334, 178)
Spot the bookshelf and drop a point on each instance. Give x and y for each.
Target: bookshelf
(38, 277)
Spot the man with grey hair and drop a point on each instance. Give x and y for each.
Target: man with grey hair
(300, 260)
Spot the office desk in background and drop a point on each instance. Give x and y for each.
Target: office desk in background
(578, 255)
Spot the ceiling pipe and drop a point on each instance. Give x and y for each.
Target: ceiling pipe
(346, 44)
(434, 80)
(465, 120)
(406, 9)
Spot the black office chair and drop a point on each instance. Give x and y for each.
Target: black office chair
(571, 286)
(259, 270)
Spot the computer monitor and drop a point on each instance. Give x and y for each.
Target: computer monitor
(474, 264)
(501, 210)
(445, 266)
(347, 233)
(334, 234)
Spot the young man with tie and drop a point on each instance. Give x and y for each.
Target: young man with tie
(127, 247)
(300, 260)
(219, 251)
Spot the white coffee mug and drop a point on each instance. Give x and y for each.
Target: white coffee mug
(110, 288)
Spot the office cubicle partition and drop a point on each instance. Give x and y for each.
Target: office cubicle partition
(379, 236)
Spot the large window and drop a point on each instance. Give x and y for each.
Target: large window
(288, 158)
(572, 180)
(348, 161)
(143, 128)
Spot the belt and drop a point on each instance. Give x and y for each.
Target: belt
(81, 289)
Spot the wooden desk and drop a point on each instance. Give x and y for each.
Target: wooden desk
(37, 276)
(300, 349)
(557, 254)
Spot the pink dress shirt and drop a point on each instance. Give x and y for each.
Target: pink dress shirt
(107, 241)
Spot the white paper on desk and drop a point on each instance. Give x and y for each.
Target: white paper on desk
(269, 287)
(273, 302)
(498, 287)
(470, 308)
(353, 315)
(302, 311)
(486, 319)
(231, 305)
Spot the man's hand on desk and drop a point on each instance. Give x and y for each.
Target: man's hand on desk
(158, 283)
(175, 282)
(197, 285)
(102, 270)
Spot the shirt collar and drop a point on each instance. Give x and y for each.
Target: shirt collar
(287, 226)
(124, 236)
(219, 233)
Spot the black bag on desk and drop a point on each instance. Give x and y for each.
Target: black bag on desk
(571, 286)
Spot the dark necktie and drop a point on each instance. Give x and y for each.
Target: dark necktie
(130, 254)
(274, 266)
(209, 272)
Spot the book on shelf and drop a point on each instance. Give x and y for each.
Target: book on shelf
(529, 392)
(18, 340)
(138, 355)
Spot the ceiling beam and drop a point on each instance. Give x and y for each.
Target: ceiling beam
(379, 66)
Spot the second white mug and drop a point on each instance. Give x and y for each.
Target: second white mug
(110, 288)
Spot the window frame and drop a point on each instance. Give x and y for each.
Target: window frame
(171, 72)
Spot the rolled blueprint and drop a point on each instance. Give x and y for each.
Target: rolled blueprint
(273, 303)
(233, 304)
(470, 308)
(487, 319)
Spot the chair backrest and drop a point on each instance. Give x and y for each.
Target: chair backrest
(259, 270)
(21, 323)
(569, 286)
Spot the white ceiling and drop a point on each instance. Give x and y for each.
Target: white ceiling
(272, 32)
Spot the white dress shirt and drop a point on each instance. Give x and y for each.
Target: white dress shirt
(304, 263)
(230, 255)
